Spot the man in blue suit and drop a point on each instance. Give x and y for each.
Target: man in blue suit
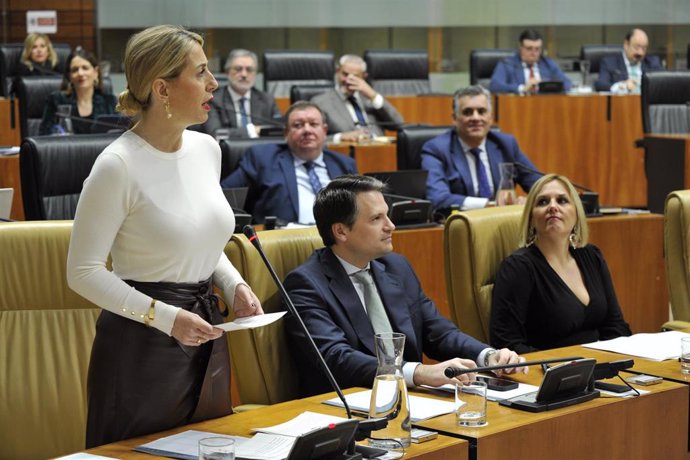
(283, 179)
(621, 73)
(522, 72)
(463, 163)
(356, 287)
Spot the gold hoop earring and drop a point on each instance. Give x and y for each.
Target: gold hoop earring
(531, 236)
(167, 110)
(572, 238)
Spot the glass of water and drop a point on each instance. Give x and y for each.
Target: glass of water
(216, 448)
(470, 404)
(685, 355)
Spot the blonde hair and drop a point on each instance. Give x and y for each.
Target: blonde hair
(29, 42)
(156, 52)
(581, 231)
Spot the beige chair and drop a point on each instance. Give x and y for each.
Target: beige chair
(262, 363)
(46, 333)
(475, 244)
(677, 257)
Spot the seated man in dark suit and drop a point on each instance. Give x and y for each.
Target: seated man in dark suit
(621, 73)
(283, 178)
(354, 110)
(238, 107)
(522, 73)
(451, 158)
(356, 287)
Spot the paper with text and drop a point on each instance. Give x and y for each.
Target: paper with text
(250, 322)
(420, 408)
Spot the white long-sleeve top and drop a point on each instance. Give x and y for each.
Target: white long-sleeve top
(161, 216)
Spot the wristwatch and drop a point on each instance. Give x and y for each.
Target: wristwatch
(488, 355)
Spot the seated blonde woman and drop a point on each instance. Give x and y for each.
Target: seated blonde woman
(556, 290)
(38, 57)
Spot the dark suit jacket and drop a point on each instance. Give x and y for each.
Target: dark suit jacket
(103, 104)
(328, 303)
(269, 172)
(223, 112)
(339, 120)
(449, 181)
(509, 74)
(612, 69)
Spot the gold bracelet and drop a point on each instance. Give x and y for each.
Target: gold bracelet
(150, 316)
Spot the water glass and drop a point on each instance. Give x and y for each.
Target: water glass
(473, 412)
(216, 448)
(685, 355)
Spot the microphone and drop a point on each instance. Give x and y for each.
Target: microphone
(451, 372)
(519, 165)
(92, 121)
(589, 198)
(250, 233)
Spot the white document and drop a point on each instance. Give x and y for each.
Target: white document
(657, 346)
(304, 423)
(185, 446)
(250, 322)
(420, 408)
(493, 395)
(84, 456)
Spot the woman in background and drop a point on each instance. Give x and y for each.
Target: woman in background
(153, 202)
(38, 57)
(81, 90)
(556, 290)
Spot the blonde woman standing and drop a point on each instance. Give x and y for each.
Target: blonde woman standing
(154, 203)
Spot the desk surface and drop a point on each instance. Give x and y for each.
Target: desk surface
(602, 428)
(241, 424)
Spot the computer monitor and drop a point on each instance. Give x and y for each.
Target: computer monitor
(409, 182)
(236, 196)
(6, 195)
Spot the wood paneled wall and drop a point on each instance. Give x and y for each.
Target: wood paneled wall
(76, 21)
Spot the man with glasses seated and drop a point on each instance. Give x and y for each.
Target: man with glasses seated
(283, 179)
(522, 72)
(238, 107)
(621, 73)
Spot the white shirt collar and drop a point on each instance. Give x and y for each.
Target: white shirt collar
(349, 268)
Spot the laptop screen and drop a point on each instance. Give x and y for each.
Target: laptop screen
(6, 195)
(409, 182)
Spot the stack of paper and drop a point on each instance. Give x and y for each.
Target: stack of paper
(420, 408)
(493, 395)
(657, 347)
(271, 443)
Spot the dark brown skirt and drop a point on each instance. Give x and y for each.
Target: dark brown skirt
(141, 381)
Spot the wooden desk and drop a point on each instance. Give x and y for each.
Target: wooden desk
(588, 138)
(442, 448)
(370, 157)
(631, 244)
(9, 177)
(8, 134)
(601, 428)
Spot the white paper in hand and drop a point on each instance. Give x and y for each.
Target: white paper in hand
(250, 322)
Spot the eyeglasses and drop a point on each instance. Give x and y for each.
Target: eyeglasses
(239, 68)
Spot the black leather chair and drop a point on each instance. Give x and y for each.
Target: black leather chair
(593, 54)
(232, 151)
(53, 169)
(306, 92)
(10, 53)
(286, 68)
(398, 72)
(409, 144)
(483, 61)
(665, 102)
(32, 93)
